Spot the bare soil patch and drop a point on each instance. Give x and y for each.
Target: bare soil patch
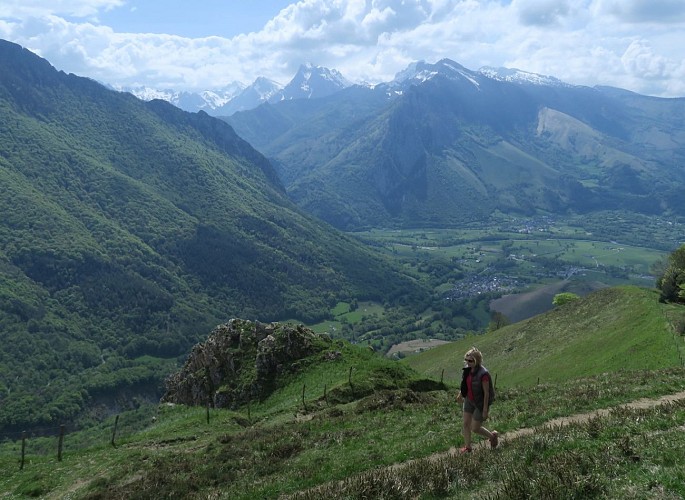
(519, 306)
(415, 346)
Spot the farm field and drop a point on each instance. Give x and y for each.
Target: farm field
(523, 253)
(511, 266)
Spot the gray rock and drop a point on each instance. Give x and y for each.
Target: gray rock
(243, 360)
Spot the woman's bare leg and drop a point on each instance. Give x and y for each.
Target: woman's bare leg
(478, 428)
(468, 424)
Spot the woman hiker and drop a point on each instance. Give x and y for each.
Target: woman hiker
(475, 394)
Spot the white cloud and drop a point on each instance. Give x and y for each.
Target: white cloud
(646, 11)
(640, 61)
(607, 42)
(541, 12)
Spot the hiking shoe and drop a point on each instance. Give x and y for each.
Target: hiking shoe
(494, 440)
(465, 449)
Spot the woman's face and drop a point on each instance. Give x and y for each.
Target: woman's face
(469, 361)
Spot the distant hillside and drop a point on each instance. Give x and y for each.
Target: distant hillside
(442, 145)
(623, 328)
(128, 229)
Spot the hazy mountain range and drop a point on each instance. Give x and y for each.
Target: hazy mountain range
(442, 145)
(309, 82)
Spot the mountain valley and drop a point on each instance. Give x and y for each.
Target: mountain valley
(377, 214)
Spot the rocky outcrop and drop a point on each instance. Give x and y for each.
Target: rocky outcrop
(242, 360)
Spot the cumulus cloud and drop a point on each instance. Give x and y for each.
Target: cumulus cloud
(640, 60)
(541, 12)
(646, 11)
(584, 42)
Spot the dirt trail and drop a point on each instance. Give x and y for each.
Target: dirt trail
(580, 417)
(557, 422)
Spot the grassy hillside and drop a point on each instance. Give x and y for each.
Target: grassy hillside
(621, 328)
(349, 416)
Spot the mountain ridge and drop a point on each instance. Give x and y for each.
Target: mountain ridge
(309, 82)
(443, 141)
(320, 82)
(347, 414)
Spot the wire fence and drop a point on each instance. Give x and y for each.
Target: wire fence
(56, 441)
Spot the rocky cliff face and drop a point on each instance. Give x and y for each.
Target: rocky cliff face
(242, 360)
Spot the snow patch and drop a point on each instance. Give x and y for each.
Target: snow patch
(513, 75)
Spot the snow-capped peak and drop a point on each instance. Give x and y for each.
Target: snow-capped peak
(314, 81)
(190, 101)
(149, 93)
(265, 88)
(514, 75)
(422, 71)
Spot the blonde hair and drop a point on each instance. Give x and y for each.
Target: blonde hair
(475, 354)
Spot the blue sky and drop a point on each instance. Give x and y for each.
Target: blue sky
(207, 44)
(198, 19)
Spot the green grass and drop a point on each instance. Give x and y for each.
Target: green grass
(565, 241)
(612, 329)
(342, 314)
(629, 454)
(340, 308)
(183, 456)
(344, 439)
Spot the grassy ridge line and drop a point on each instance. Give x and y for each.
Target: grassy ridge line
(599, 454)
(183, 451)
(609, 330)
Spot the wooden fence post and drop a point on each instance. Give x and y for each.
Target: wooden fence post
(349, 380)
(304, 403)
(114, 431)
(210, 387)
(442, 375)
(23, 449)
(60, 443)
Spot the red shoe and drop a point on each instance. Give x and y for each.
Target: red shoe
(465, 449)
(494, 440)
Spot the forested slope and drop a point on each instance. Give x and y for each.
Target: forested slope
(128, 229)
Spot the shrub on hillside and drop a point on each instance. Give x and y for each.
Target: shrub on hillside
(671, 281)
